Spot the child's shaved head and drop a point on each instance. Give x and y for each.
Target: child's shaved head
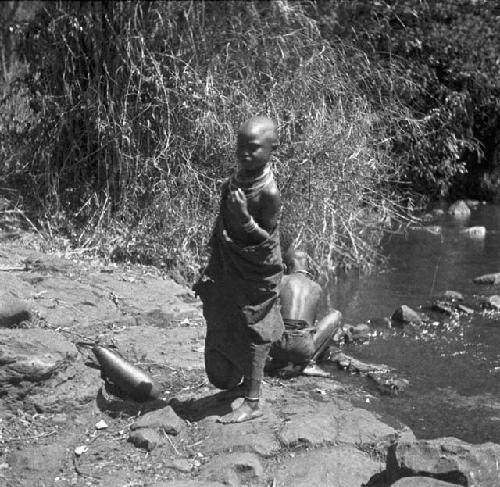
(296, 259)
(260, 126)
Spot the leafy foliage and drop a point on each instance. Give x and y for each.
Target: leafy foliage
(443, 56)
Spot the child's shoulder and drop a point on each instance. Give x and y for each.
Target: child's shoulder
(271, 189)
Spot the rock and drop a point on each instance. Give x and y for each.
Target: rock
(101, 425)
(33, 354)
(404, 314)
(35, 463)
(181, 465)
(465, 309)
(71, 388)
(13, 311)
(146, 438)
(164, 419)
(117, 406)
(491, 302)
(443, 307)
(343, 334)
(450, 306)
(149, 344)
(453, 296)
(388, 383)
(406, 434)
(47, 263)
(383, 444)
(473, 232)
(459, 209)
(472, 204)
(233, 469)
(427, 230)
(354, 365)
(427, 217)
(361, 331)
(310, 430)
(328, 424)
(80, 450)
(60, 418)
(493, 278)
(257, 436)
(186, 483)
(342, 467)
(448, 459)
(438, 212)
(421, 482)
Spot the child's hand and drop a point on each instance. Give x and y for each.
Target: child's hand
(237, 204)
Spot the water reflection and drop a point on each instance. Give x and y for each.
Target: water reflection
(452, 372)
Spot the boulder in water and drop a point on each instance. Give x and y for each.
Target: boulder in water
(427, 217)
(404, 314)
(491, 302)
(361, 331)
(438, 213)
(387, 382)
(473, 232)
(459, 209)
(472, 204)
(452, 296)
(426, 230)
(465, 309)
(493, 278)
(443, 307)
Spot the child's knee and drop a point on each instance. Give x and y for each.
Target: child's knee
(221, 372)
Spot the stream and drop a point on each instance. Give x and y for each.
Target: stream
(453, 365)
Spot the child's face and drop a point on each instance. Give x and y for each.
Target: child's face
(253, 150)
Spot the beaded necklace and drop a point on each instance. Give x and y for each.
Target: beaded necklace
(303, 271)
(252, 185)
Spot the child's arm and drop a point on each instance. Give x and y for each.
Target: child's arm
(269, 205)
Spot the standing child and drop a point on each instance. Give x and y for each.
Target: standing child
(239, 287)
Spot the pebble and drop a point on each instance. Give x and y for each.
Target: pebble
(80, 450)
(181, 464)
(59, 418)
(101, 425)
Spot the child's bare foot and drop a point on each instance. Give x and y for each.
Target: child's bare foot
(245, 412)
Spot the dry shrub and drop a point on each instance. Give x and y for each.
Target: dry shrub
(136, 105)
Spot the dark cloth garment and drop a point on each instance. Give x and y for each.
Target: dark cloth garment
(223, 373)
(296, 345)
(294, 324)
(239, 291)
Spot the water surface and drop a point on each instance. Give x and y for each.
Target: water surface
(453, 366)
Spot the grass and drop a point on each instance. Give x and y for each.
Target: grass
(132, 119)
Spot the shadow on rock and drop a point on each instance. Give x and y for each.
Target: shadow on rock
(194, 409)
(114, 402)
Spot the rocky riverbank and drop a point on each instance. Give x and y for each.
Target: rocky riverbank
(61, 426)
